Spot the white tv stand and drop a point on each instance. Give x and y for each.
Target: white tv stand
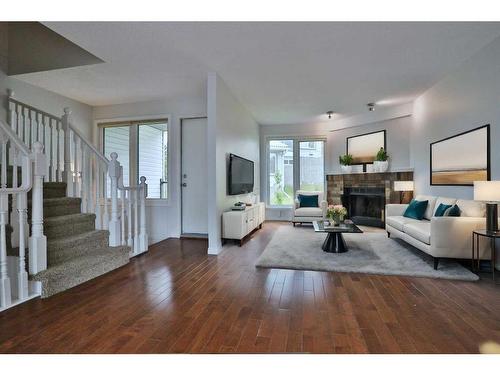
(236, 225)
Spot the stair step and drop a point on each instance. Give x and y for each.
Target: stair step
(68, 225)
(61, 206)
(78, 270)
(66, 248)
(54, 190)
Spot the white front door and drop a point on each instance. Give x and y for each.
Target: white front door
(194, 176)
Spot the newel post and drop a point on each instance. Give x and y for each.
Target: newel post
(114, 224)
(37, 241)
(5, 291)
(143, 236)
(67, 172)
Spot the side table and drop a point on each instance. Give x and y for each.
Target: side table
(492, 236)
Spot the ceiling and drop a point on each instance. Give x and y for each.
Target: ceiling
(282, 72)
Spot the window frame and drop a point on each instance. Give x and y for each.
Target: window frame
(296, 163)
(135, 121)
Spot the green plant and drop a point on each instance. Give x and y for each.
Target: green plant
(277, 178)
(346, 159)
(381, 155)
(279, 197)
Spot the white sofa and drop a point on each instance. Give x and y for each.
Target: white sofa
(309, 214)
(440, 237)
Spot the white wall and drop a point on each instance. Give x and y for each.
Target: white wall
(398, 138)
(397, 143)
(467, 98)
(163, 218)
(231, 129)
(47, 101)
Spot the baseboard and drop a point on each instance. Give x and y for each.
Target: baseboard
(214, 250)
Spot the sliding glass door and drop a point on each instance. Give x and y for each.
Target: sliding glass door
(294, 164)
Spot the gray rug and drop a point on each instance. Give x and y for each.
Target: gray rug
(300, 248)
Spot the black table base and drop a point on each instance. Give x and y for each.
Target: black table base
(334, 243)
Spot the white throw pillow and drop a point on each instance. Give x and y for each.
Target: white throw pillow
(429, 212)
(471, 208)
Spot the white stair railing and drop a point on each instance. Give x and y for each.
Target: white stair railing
(74, 160)
(14, 285)
(132, 231)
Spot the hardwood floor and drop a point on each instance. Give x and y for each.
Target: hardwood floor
(178, 299)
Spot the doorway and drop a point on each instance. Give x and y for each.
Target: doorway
(194, 205)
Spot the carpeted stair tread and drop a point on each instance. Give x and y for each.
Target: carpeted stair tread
(61, 206)
(65, 248)
(80, 269)
(68, 225)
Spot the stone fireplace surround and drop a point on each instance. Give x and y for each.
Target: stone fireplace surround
(338, 185)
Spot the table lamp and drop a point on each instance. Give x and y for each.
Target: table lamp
(489, 191)
(405, 189)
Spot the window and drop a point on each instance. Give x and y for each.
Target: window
(285, 176)
(142, 148)
(281, 173)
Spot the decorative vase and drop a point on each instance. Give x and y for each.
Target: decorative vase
(336, 220)
(380, 166)
(346, 169)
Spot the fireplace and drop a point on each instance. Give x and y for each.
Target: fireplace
(365, 205)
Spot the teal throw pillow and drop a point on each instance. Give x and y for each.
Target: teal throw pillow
(453, 211)
(441, 209)
(416, 209)
(308, 200)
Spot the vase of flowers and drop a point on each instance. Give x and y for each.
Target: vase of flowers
(336, 213)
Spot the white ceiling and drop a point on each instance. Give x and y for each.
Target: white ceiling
(282, 72)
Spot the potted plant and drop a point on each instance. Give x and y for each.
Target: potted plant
(345, 163)
(381, 164)
(336, 213)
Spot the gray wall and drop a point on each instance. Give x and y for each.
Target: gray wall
(467, 98)
(397, 143)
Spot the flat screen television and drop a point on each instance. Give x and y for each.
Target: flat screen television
(240, 175)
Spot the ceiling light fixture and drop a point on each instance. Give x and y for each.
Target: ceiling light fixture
(330, 114)
(371, 107)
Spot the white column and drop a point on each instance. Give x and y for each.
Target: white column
(143, 236)
(67, 173)
(114, 223)
(37, 241)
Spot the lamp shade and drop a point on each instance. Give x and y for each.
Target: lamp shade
(403, 185)
(487, 191)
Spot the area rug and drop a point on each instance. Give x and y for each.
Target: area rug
(299, 248)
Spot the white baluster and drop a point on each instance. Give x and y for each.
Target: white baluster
(37, 241)
(114, 223)
(136, 221)
(90, 181)
(5, 291)
(11, 113)
(57, 151)
(130, 241)
(22, 275)
(67, 174)
(75, 165)
(84, 179)
(98, 214)
(14, 215)
(143, 236)
(105, 218)
(123, 216)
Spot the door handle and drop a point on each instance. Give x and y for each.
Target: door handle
(184, 184)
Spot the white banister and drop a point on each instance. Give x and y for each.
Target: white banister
(14, 286)
(37, 241)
